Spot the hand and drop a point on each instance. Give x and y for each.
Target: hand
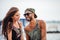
(22, 37)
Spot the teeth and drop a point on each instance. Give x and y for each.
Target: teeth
(27, 18)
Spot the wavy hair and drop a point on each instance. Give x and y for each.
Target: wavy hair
(7, 21)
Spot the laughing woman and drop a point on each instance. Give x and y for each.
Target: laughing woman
(11, 28)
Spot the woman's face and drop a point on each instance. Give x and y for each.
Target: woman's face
(16, 16)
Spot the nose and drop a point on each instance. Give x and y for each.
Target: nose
(19, 16)
(26, 16)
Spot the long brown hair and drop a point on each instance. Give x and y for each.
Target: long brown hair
(7, 21)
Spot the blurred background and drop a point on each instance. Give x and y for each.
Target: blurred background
(47, 10)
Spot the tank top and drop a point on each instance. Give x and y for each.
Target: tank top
(16, 33)
(35, 34)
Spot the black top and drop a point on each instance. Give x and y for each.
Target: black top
(14, 36)
(16, 33)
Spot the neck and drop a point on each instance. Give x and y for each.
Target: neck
(33, 23)
(14, 21)
(33, 20)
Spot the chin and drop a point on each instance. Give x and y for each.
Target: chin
(16, 20)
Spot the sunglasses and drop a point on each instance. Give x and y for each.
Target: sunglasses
(27, 14)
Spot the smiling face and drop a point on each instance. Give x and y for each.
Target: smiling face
(28, 15)
(16, 16)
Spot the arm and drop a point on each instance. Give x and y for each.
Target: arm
(29, 28)
(9, 35)
(43, 29)
(27, 37)
(9, 32)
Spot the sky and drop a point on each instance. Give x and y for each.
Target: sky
(45, 9)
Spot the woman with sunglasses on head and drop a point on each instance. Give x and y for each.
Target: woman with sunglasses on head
(11, 28)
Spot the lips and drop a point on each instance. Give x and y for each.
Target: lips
(27, 19)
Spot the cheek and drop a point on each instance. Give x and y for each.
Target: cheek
(30, 15)
(16, 18)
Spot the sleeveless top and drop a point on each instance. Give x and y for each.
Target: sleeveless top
(16, 33)
(35, 34)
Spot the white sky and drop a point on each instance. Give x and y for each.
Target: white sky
(45, 9)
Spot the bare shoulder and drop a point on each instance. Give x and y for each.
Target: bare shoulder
(42, 23)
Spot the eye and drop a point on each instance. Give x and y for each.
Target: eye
(17, 15)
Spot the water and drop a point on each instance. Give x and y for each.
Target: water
(49, 36)
(53, 36)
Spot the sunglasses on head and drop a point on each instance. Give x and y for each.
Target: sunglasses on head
(27, 14)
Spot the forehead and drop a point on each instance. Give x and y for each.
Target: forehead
(28, 12)
(17, 13)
